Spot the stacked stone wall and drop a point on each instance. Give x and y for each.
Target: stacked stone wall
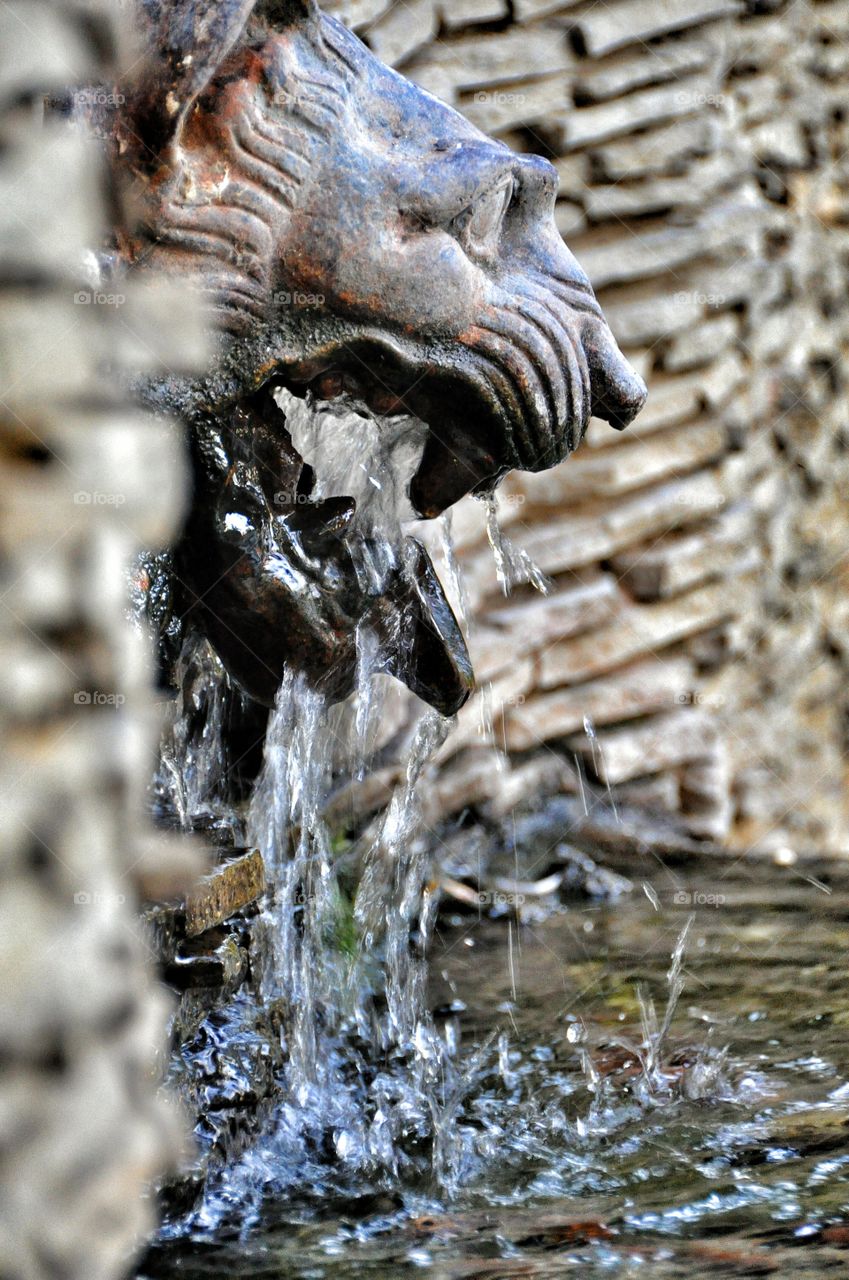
(87, 481)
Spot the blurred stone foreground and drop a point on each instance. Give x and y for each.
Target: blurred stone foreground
(698, 615)
(87, 481)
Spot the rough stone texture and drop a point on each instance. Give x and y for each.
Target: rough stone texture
(86, 482)
(701, 147)
(233, 885)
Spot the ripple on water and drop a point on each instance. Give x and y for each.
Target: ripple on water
(572, 1158)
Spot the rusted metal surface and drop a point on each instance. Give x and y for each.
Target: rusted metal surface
(359, 240)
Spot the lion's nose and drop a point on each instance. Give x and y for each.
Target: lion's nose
(618, 392)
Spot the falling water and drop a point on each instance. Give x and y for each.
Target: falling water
(286, 822)
(375, 1094)
(339, 968)
(367, 704)
(513, 565)
(454, 574)
(392, 891)
(598, 762)
(359, 456)
(190, 783)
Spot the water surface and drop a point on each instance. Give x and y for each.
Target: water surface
(594, 1142)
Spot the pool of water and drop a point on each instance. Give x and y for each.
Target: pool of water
(610, 1128)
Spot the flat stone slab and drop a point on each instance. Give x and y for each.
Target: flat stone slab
(487, 61)
(612, 26)
(232, 886)
(212, 962)
(648, 746)
(651, 686)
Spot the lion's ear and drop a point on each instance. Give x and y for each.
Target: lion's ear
(185, 42)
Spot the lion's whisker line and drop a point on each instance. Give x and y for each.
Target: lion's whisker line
(495, 369)
(552, 305)
(582, 381)
(502, 350)
(339, 51)
(492, 379)
(583, 303)
(578, 285)
(527, 333)
(567, 344)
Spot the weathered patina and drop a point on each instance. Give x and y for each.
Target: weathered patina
(358, 240)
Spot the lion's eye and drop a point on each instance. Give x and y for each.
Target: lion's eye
(482, 222)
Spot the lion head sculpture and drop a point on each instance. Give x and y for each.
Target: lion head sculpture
(358, 240)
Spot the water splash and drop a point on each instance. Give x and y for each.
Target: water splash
(667, 1180)
(655, 1032)
(368, 1074)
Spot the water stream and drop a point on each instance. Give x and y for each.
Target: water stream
(648, 1083)
(513, 566)
(190, 783)
(369, 1083)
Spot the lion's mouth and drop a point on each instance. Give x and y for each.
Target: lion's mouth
(467, 442)
(302, 583)
(362, 443)
(490, 401)
(398, 443)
